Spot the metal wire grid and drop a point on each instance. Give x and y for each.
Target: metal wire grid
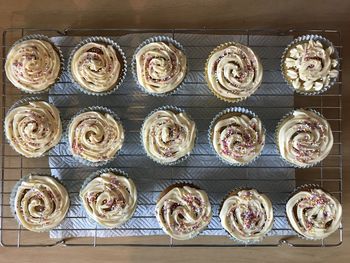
(328, 174)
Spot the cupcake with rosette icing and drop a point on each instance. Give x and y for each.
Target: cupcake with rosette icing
(159, 65)
(168, 135)
(310, 64)
(39, 202)
(246, 215)
(233, 72)
(95, 135)
(183, 211)
(313, 212)
(304, 138)
(33, 127)
(34, 64)
(109, 197)
(237, 136)
(97, 66)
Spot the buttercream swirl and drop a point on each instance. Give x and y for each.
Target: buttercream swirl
(168, 136)
(314, 214)
(233, 71)
(40, 203)
(160, 67)
(304, 138)
(247, 215)
(96, 67)
(238, 138)
(34, 128)
(95, 136)
(183, 212)
(33, 65)
(109, 199)
(310, 66)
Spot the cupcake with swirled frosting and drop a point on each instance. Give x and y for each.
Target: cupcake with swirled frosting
(39, 202)
(304, 138)
(237, 136)
(233, 72)
(109, 197)
(310, 64)
(33, 64)
(33, 127)
(313, 212)
(246, 215)
(168, 135)
(160, 65)
(97, 65)
(183, 211)
(95, 136)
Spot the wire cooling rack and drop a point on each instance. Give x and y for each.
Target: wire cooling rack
(269, 174)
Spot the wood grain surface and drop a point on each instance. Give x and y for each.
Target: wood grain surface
(247, 14)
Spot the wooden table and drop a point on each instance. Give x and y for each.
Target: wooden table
(190, 14)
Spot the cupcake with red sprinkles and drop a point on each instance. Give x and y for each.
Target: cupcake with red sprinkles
(237, 136)
(97, 66)
(95, 135)
(109, 197)
(34, 64)
(33, 127)
(313, 213)
(168, 135)
(39, 202)
(304, 138)
(159, 65)
(183, 211)
(233, 72)
(246, 215)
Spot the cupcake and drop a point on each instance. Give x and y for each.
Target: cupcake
(168, 135)
(39, 202)
(246, 215)
(33, 64)
(95, 135)
(97, 65)
(160, 65)
(313, 213)
(233, 72)
(304, 138)
(183, 211)
(237, 136)
(33, 127)
(310, 64)
(109, 197)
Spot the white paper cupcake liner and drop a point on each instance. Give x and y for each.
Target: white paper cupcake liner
(56, 48)
(175, 110)
(217, 117)
(303, 39)
(26, 100)
(97, 109)
(15, 189)
(88, 180)
(244, 242)
(123, 62)
(153, 40)
(218, 48)
(23, 102)
(296, 190)
(277, 141)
